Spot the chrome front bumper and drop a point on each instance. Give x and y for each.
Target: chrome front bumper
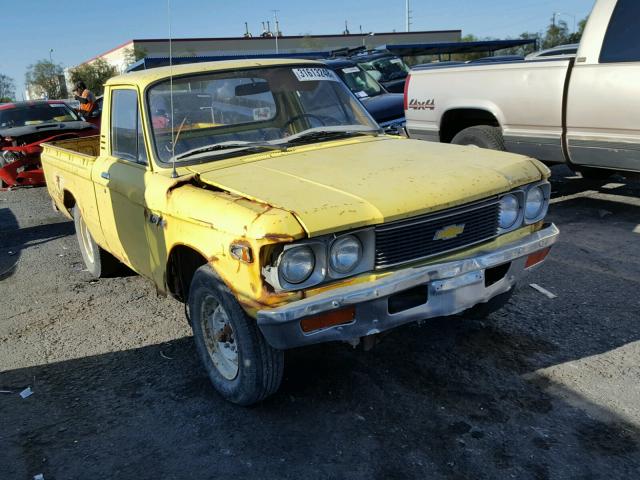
(452, 288)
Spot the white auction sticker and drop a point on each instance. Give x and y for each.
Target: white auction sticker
(350, 70)
(395, 60)
(314, 74)
(262, 113)
(361, 94)
(58, 105)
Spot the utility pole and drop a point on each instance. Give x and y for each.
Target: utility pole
(275, 17)
(408, 16)
(50, 55)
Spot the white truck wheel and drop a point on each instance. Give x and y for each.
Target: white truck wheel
(98, 261)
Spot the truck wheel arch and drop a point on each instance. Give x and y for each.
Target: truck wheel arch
(68, 200)
(455, 120)
(182, 263)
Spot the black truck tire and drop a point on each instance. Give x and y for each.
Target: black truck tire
(98, 261)
(483, 136)
(240, 363)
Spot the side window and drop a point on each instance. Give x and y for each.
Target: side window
(622, 42)
(127, 139)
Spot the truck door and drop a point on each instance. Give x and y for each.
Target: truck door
(120, 175)
(603, 123)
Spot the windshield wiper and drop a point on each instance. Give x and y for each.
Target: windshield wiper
(232, 145)
(326, 133)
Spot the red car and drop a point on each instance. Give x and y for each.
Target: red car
(26, 125)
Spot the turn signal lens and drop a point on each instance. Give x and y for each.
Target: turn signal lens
(241, 252)
(329, 319)
(537, 257)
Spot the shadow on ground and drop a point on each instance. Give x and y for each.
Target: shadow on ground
(13, 239)
(446, 401)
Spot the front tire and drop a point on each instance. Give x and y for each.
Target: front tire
(240, 363)
(483, 136)
(98, 261)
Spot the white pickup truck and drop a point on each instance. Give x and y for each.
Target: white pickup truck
(583, 111)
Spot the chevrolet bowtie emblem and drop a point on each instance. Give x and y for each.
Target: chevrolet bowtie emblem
(449, 232)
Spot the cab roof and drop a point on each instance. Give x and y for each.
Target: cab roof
(143, 78)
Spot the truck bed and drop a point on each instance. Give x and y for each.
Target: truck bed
(74, 147)
(68, 166)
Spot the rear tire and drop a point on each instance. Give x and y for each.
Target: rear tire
(483, 136)
(98, 261)
(240, 363)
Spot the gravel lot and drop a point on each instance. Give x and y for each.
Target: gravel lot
(545, 389)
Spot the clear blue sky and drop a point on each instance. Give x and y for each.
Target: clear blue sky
(77, 31)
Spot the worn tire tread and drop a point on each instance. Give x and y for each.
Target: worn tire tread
(492, 136)
(264, 379)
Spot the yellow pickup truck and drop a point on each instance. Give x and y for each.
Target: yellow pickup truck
(264, 196)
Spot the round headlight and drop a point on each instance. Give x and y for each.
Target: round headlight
(9, 157)
(509, 211)
(535, 203)
(345, 254)
(297, 264)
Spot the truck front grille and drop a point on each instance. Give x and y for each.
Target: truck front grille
(421, 237)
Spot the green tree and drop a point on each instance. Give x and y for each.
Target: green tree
(523, 50)
(7, 89)
(575, 37)
(46, 78)
(557, 34)
(132, 55)
(93, 74)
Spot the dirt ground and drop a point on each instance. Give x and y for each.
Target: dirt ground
(545, 389)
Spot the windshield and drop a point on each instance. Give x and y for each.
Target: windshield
(386, 69)
(251, 107)
(360, 82)
(36, 114)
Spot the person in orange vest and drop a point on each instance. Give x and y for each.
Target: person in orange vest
(86, 98)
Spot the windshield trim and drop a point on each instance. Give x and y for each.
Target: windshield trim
(224, 153)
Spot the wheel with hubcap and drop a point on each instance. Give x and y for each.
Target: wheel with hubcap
(98, 261)
(240, 363)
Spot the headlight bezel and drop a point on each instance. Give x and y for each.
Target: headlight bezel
(517, 196)
(545, 187)
(334, 244)
(521, 194)
(292, 251)
(322, 272)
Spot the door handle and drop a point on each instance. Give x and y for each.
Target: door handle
(105, 175)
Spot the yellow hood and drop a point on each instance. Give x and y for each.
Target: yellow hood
(343, 185)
